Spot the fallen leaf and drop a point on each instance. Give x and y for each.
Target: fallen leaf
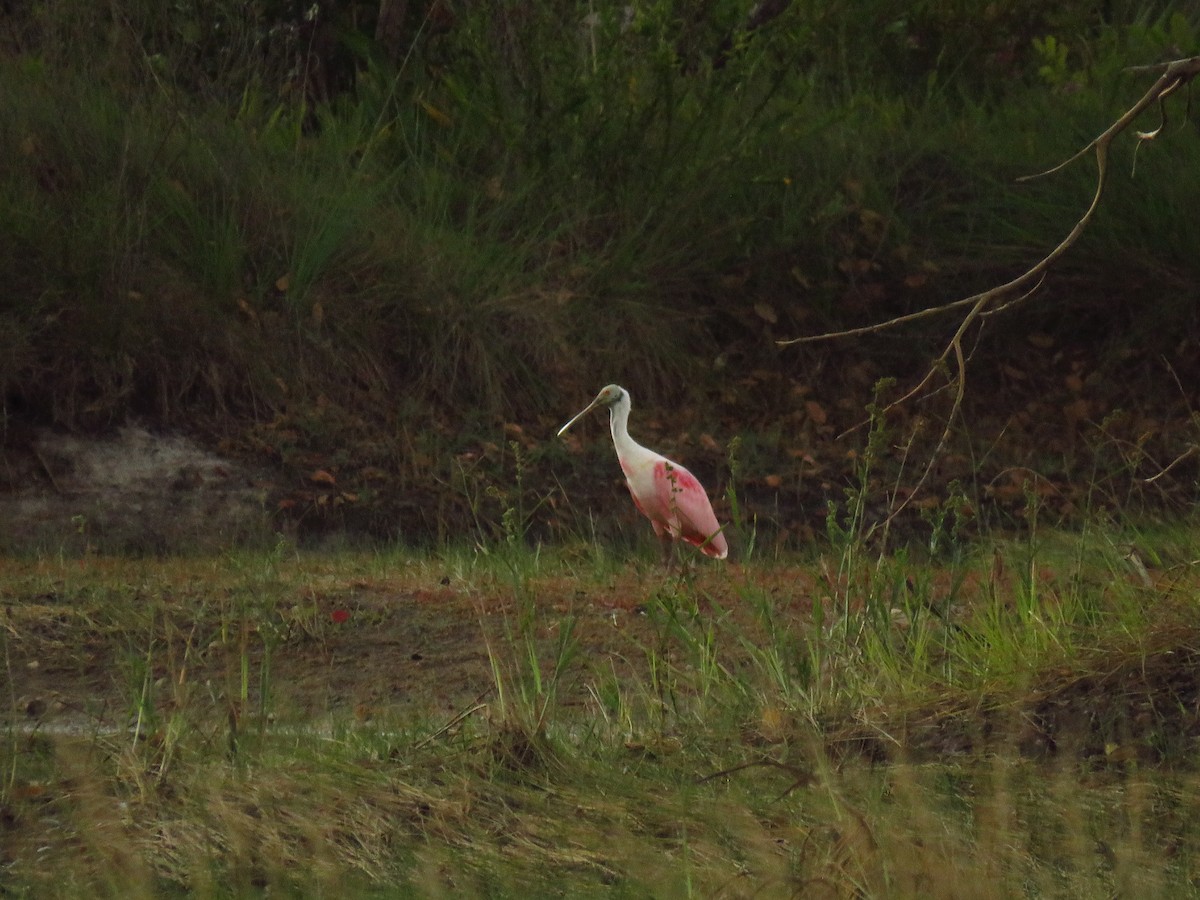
(32, 791)
(655, 747)
(283, 282)
(436, 114)
(773, 481)
(816, 412)
(766, 312)
(772, 725)
(855, 266)
(1077, 410)
(320, 476)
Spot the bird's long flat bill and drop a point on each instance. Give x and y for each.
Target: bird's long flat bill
(579, 415)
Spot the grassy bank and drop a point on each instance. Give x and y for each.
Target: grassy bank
(1017, 717)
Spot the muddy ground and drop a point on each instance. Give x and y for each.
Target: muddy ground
(345, 648)
(423, 642)
(366, 647)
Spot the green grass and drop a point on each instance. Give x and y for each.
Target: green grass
(486, 724)
(466, 235)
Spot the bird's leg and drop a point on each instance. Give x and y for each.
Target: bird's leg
(667, 543)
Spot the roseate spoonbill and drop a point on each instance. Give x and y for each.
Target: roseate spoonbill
(663, 491)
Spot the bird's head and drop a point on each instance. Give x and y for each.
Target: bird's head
(608, 397)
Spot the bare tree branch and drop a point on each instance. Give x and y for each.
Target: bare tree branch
(1175, 74)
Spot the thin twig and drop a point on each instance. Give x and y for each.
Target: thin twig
(1174, 75)
(475, 706)
(1186, 454)
(802, 778)
(49, 472)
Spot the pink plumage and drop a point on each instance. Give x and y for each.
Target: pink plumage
(664, 492)
(677, 506)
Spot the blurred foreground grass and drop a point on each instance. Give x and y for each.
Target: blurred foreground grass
(1017, 718)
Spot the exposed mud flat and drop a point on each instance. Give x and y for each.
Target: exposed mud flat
(131, 491)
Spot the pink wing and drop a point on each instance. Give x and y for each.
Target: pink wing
(685, 509)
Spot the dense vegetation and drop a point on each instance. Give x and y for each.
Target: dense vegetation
(264, 225)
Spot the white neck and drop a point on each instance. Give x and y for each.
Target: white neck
(618, 420)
